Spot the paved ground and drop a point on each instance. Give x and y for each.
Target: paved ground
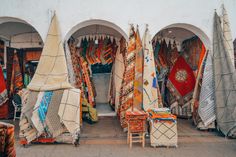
(107, 139)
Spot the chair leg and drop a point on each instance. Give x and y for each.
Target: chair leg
(15, 115)
(130, 140)
(143, 139)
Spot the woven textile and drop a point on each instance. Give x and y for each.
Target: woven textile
(118, 72)
(35, 115)
(16, 80)
(7, 140)
(228, 40)
(69, 111)
(163, 133)
(181, 80)
(126, 95)
(52, 118)
(51, 73)
(150, 85)
(206, 109)
(27, 129)
(225, 83)
(43, 107)
(3, 88)
(138, 78)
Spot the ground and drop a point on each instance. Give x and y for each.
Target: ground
(106, 138)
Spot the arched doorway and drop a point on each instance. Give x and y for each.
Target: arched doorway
(187, 43)
(98, 44)
(96, 49)
(20, 50)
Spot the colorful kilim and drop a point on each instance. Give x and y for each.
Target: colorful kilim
(138, 78)
(126, 95)
(150, 85)
(17, 80)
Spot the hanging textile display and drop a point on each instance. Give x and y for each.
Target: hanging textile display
(51, 73)
(70, 65)
(228, 42)
(118, 71)
(162, 54)
(206, 109)
(191, 51)
(151, 92)
(138, 78)
(126, 95)
(224, 79)
(3, 88)
(16, 79)
(174, 54)
(47, 114)
(181, 80)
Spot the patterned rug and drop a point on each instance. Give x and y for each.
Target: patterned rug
(181, 80)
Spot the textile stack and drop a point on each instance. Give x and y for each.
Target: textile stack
(163, 127)
(7, 140)
(51, 106)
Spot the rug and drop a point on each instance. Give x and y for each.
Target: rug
(181, 80)
(52, 121)
(51, 73)
(69, 111)
(150, 85)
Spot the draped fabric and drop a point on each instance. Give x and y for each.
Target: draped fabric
(69, 111)
(7, 140)
(138, 78)
(225, 82)
(228, 42)
(70, 65)
(151, 93)
(51, 73)
(181, 80)
(162, 55)
(119, 71)
(206, 109)
(126, 96)
(3, 88)
(16, 79)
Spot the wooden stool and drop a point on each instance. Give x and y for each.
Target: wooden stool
(138, 137)
(136, 127)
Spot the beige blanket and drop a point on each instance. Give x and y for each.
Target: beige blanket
(51, 73)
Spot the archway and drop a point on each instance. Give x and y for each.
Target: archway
(96, 49)
(21, 44)
(189, 43)
(101, 35)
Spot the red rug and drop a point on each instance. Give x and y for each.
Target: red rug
(181, 80)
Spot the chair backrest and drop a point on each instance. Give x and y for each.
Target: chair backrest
(14, 104)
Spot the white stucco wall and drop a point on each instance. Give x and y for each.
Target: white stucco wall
(156, 13)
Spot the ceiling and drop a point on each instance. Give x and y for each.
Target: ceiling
(176, 33)
(9, 29)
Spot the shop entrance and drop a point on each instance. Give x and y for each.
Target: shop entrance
(95, 48)
(20, 50)
(179, 51)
